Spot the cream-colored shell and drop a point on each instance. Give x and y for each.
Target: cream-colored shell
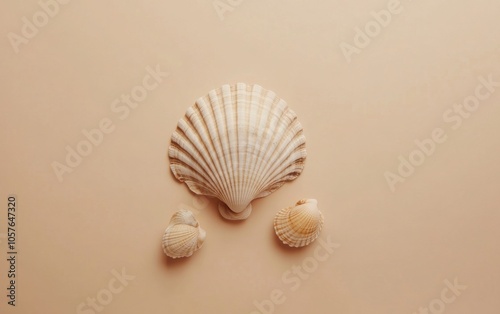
(299, 225)
(238, 143)
(183, 235)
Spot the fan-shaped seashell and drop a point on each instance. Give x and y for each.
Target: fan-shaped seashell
(183, 235)
(299, 225)
(238, 143)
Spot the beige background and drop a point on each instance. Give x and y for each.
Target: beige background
(396, 248)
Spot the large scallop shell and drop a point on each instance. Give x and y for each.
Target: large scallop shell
(299, 225)
(183, 235)
(238, 143)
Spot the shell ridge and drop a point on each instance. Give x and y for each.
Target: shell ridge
(216, 135)
(240, 136)
(269, 135)
(181, 155)
(220, 94)
(187, 127)
(248, 144)
(220, 116)
(269, 100)
(197, 160)
(230, 126)
(263, 100)
(209, 144)
(252, 107)
(291, 164)
(280, 154)
(286, 153)
(180, 160)
(194, 180)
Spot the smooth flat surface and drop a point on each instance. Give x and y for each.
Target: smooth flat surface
(399, 250)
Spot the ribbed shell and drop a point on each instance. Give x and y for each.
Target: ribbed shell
(183, 235)
(238, 143)
(299, 225)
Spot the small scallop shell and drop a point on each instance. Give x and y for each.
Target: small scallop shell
(183, 235)
(299, 225)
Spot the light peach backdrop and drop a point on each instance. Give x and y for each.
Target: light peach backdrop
(364, 100)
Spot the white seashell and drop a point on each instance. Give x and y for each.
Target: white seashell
(183, 235)
(238, 143)
(299, 225)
